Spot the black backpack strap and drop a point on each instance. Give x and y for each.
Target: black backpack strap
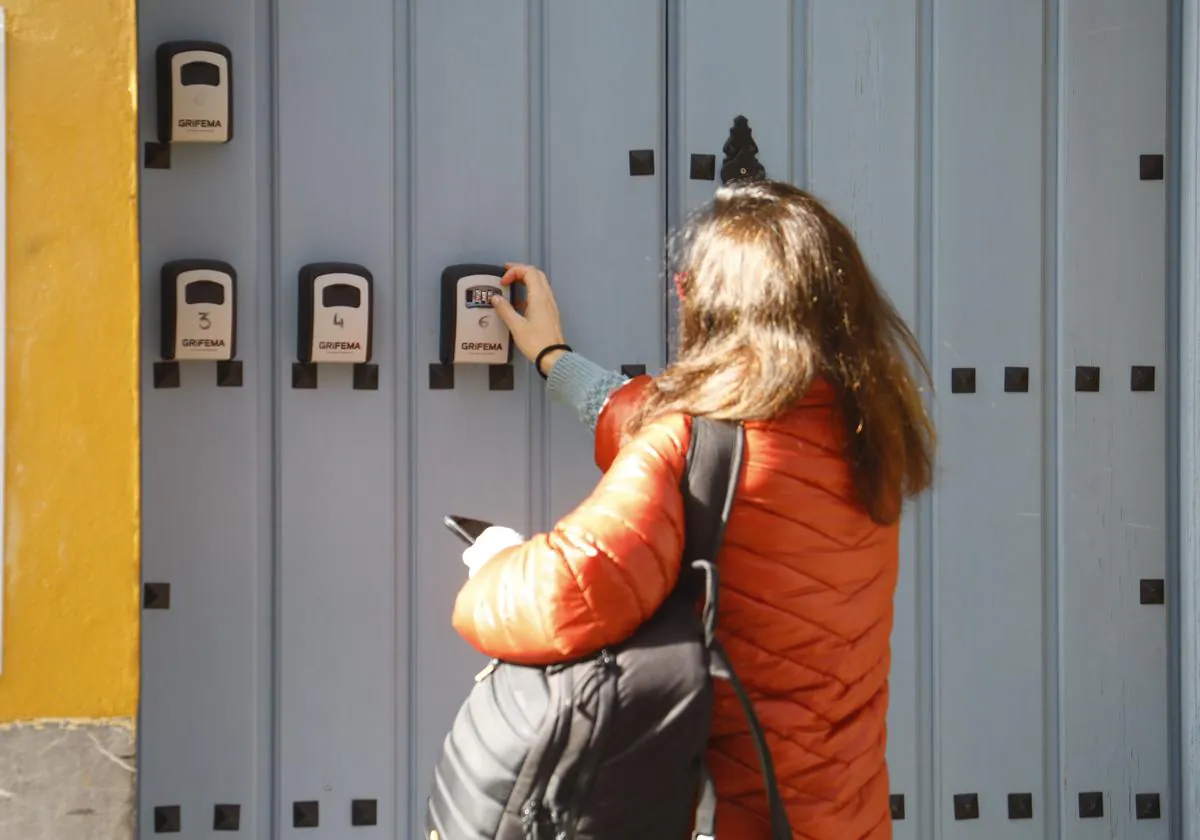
(781, 828)
(714, 466)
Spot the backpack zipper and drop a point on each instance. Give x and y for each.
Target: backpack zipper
(487, 670)
(534, 810)
(531, 820)
(606, 667)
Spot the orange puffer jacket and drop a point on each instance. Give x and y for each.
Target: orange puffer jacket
(807, 581)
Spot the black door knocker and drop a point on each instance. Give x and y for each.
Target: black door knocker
(741, 161)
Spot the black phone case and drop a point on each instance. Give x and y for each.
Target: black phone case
(465, 527)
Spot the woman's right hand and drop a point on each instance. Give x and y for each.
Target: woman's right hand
(539, 326)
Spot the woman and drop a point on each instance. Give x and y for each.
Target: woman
(782, 327)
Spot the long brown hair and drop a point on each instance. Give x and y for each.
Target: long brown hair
(774, 294)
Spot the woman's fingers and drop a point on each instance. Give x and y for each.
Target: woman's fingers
(534, 278)
(514, 273)
(535, 324)
(507, 313)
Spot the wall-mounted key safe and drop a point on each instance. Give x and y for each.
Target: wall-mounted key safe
(199, 310)
(471, 331)
(198, 319)
(336, 322)
(195, 92)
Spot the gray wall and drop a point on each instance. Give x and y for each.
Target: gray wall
(987, 152)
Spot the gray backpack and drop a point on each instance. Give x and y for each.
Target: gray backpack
(610, 747)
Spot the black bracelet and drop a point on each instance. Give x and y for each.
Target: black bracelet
(537, 363)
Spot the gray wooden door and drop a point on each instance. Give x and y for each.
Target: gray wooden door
(999, 161)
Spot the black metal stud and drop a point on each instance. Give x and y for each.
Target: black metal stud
(1016, 380)
(441, 377)
(1091, 805)
(1147, 806)
(896, 803)
(229, 374)
(1141, 378)
(304, 375)
(166, 374)
(156, 596)
(966, 806)
(366, 377)
(227, 817)
(704, 168)
(167, 819)
(641, 162)
(633, 370)
(741, 154)
(1150, 167)
(157, 156)
(962, 380)
(501, 377)
(1020, 806)
(1152, 591)
(1087, 378)
(306, 814)
(364, 812)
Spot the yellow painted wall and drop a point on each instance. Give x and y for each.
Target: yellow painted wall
(71, 606)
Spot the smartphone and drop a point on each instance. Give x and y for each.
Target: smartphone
(467, 529)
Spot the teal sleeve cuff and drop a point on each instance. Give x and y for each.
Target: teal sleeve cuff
(583, 385)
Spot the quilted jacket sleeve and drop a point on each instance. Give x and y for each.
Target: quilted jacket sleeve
(616, 411)
(601, 571)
